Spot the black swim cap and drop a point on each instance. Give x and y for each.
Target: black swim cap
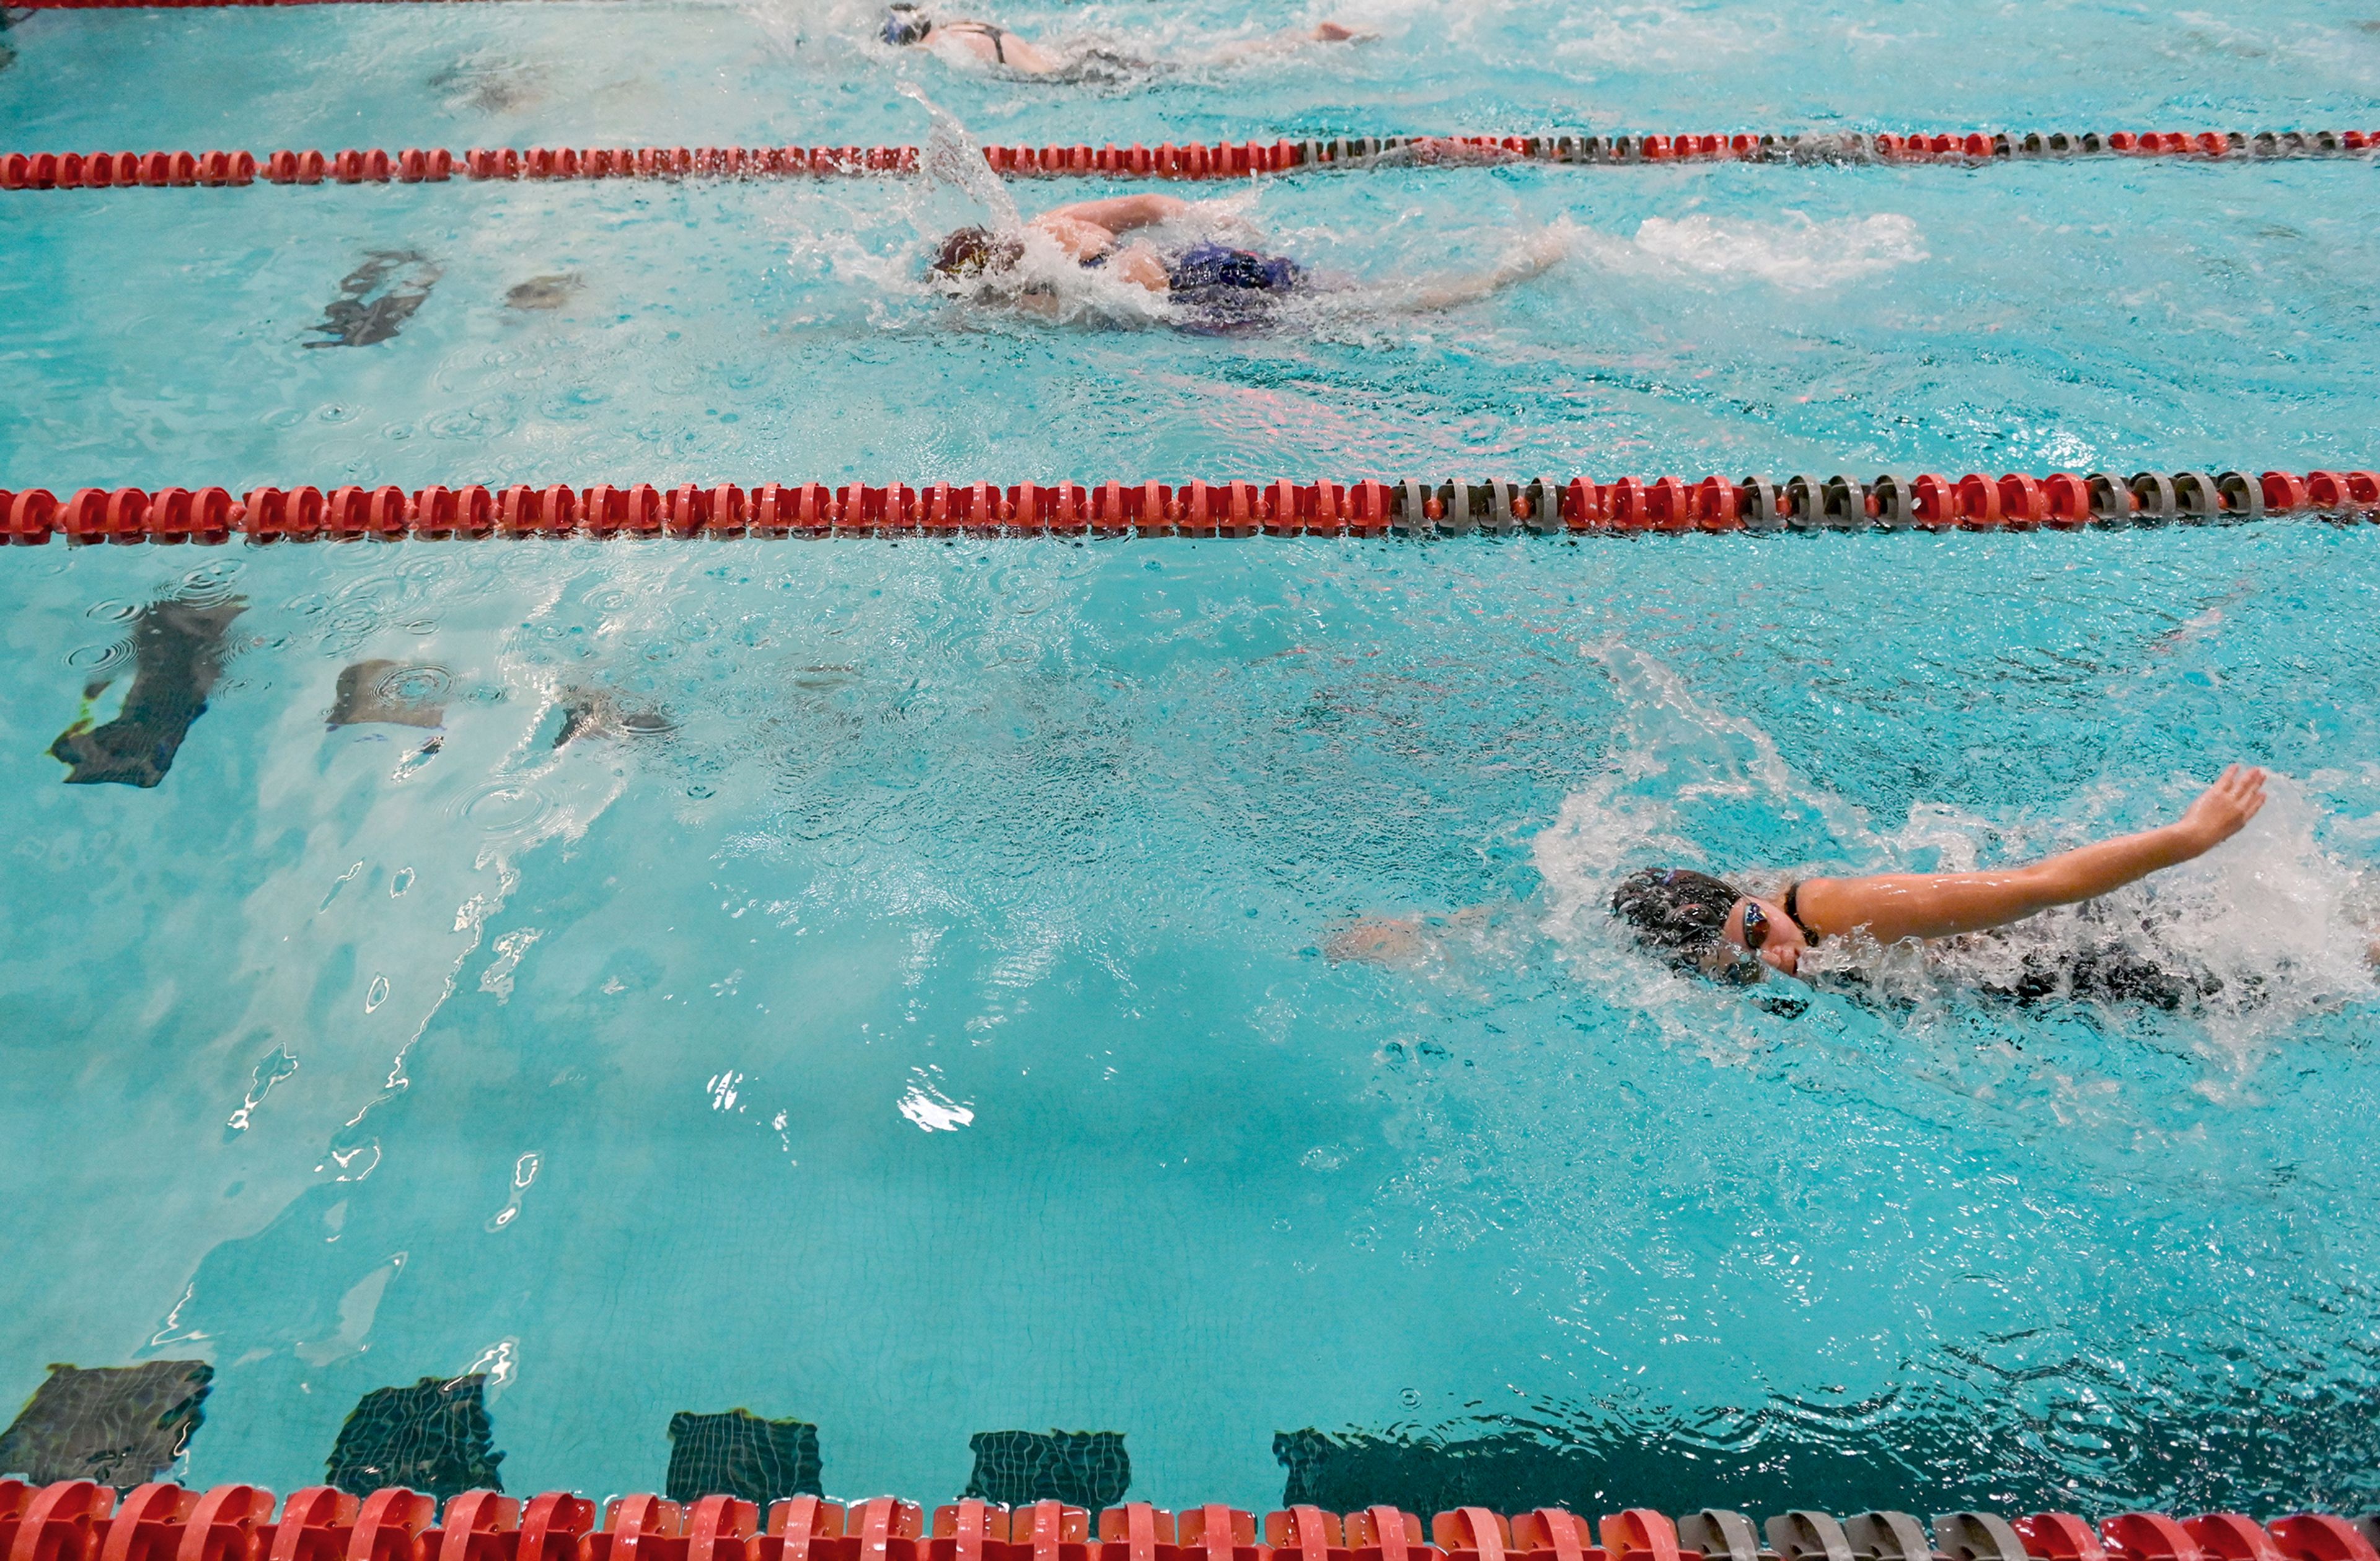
(906, 24)
(1679, 913)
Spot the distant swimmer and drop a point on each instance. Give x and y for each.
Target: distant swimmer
(1703, 923)
(1215, 286)
(968, 41)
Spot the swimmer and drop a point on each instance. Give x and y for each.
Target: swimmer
(1221, 285)
(1700, 923)
(966, 40)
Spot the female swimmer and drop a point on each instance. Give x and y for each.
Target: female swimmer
(1220, 288)
(1700, 923)
(966, 40)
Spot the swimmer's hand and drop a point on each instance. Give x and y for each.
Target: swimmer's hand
(1339, 32)
(1376, 940)
(1541, 251)
(2223, 809)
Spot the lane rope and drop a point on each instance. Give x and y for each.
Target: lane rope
(78, 1521)
(192, 4)
(1407, 507)
(107, 170)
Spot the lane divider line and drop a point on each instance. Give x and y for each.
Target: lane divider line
(77, 1520)
(193, 5)
(106, 170)
(1406, 507)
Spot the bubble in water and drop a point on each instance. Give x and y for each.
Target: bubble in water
(506, 808)
(98, 657)
(209, 584)
(415, 685)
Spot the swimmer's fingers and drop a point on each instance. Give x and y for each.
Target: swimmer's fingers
(2224, 809)
(1548, 247)
(2255, 787)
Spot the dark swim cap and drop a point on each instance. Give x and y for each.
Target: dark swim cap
(906, 24)
(1677, 912)
(972, 251)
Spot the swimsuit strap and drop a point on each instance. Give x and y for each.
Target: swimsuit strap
(983, 29)
(1793, 910)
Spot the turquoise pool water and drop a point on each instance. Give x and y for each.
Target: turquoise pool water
(885, 985)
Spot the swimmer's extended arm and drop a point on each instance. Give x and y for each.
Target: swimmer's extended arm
(1287, 39)
(1540, 252)
(1893, 906)
(1121, 214)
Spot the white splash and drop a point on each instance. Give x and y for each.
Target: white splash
(1653, 37)
(1796, 253)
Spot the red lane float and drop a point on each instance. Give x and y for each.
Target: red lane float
(183, 5)
(1627, 506)
(76, 1520)
(1224, 160)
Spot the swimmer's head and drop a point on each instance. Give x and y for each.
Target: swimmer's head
(1682, 916)
(973, 253)
(904, 24)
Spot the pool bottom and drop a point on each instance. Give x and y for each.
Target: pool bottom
(128, 1426)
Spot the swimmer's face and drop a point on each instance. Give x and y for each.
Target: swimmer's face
(1760, 930)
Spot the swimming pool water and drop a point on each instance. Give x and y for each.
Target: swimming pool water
(926, 1033)
(901, 1003)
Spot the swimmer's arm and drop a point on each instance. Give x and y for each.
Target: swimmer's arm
(1540, 254)
(1893, 906)
(1139, 264)
(1121, 214)
(1080, 238)
(1284, 40)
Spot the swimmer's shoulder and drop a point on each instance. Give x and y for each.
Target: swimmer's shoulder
(1824, 907)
